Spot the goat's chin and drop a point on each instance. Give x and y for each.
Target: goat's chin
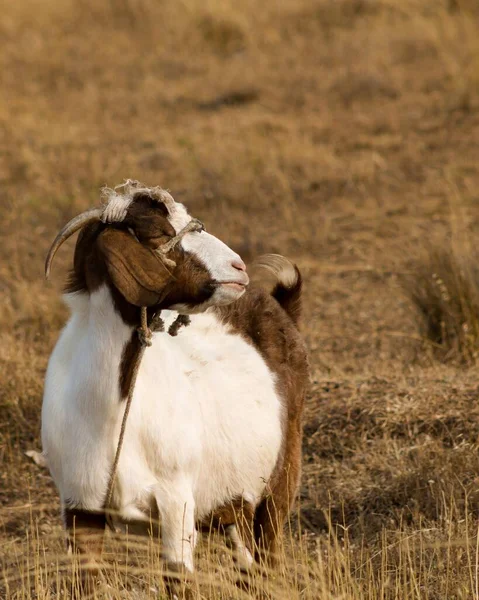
(224, 294)
(227, 293)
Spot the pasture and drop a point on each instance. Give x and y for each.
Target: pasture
(343, 134)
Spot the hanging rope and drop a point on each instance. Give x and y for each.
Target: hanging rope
(144, 333)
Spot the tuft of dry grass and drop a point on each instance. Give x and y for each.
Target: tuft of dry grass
(444, 287)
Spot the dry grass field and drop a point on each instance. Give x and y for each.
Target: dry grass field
(341, 133)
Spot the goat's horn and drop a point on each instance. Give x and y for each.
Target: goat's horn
(89, 216)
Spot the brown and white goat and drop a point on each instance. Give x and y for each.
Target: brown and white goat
(214, 431)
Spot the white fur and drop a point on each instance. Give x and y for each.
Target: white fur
(221, 262)
(204, 426)
(178, 215)
(116, 209)
(214, 254)
(217, 257)
(118, 200)
(279, 266)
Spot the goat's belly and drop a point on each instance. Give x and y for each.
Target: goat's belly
(217, 418)
(225, 441)
(227, 457)
(240, 453)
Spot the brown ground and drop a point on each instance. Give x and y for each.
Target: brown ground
(341, 133)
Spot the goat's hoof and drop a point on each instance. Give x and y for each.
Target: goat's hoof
(176, 584)
(87, 582)
(177, 589)
(85, 589)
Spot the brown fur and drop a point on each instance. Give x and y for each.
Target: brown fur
(137, 277)
(237, 512)
(128, 357)
(135, 270)
(265, 324)
(290, 298)
(135, 274)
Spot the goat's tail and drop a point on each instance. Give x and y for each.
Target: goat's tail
(287, 282)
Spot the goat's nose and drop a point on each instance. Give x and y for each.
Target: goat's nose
(237, 263)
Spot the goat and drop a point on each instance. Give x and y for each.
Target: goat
(214, 431)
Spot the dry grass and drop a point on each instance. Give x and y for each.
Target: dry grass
(404, 563)
(342, 133)
(445, 289)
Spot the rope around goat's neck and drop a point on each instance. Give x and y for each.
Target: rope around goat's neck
(145, 336)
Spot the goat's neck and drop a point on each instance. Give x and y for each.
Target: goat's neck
(101, 336)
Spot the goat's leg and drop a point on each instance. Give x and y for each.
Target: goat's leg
(85, 530)
(177, 524)
(240, 533)
(242, 556)
(272, 511)
(235, 520)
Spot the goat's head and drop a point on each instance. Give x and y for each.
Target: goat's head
(132, 244)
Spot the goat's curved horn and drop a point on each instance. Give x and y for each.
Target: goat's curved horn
(89, 216)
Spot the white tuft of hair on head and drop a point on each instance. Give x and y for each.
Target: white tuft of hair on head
(118, 200)
(116, 209)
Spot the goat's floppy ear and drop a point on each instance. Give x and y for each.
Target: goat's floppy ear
(136, 271)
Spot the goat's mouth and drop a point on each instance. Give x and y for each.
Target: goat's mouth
(236, 286)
